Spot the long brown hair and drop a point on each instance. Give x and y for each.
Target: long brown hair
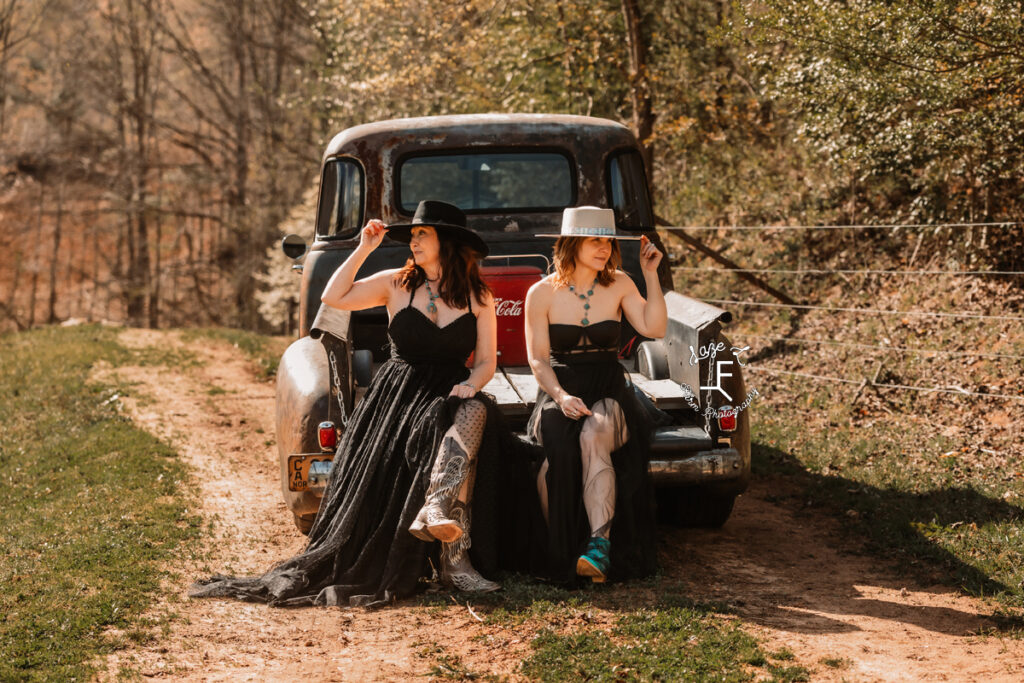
(460, 275)
(565, 252)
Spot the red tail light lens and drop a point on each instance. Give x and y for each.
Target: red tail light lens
(327, 435)
(727, 419)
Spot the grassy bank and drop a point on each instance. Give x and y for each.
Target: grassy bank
(907, 493)
(926, 466)
(265, 352)
(91, 508)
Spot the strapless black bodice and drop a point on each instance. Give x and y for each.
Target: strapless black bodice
(602, 336)
(415, 338)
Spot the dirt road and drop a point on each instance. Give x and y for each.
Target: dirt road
(787, 575)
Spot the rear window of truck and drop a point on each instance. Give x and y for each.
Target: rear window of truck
(340, 212)
(627, 192)
(488, 182)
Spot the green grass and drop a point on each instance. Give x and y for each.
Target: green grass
(645, 630)
(262, 350)
(906, 497)
(836, 662)
(91, 508)
(672, 643)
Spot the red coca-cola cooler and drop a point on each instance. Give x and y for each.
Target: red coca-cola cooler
(509, 285)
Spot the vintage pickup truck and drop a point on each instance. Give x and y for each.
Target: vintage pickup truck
(512, 175)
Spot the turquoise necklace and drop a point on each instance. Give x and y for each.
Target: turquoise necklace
(585, 298)
(431, 306)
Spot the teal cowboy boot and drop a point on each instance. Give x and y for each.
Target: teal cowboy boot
(594, 562)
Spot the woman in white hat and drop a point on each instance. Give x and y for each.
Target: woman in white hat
(594, 488)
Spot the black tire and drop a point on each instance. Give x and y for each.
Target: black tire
(694, 507)
(303, 524)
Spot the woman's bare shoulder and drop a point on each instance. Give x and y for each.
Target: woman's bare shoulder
(546, 284)
(392, 276)
(622, 279)
(486, 301)
(541, 290)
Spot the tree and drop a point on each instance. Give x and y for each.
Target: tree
(133, 75)
(241, 64)
(915, 105)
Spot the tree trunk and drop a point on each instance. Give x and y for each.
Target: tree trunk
(639, 86)
(95, 273)
(154, 292)
(51, 316)
(242, 230)
(7, 9)
(36, 246)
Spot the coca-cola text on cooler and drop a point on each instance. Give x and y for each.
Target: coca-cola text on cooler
(508, 307)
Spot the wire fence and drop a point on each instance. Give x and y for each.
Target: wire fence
(840, 271)
(868, 311)
(871, 345)
(887, 347)
(885, 385)
(862, 226)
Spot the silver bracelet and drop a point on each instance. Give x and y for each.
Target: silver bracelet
(467, 383)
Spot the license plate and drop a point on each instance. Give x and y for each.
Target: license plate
(309, 472)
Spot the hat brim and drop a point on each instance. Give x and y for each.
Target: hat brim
(616, 236)
(402, 232)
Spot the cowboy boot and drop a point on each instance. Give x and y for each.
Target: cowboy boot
(451, 467)
(456, 570)
(595, 560)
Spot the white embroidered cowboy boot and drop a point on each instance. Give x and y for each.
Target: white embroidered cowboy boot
(456, 570)
(434, 520)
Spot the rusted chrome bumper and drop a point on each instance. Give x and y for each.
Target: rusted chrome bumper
(719, 464)
(686, 455)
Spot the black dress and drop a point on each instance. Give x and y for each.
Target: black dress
(585, 361)
(360, 551)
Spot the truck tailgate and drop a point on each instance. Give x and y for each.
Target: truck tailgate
(515, 390)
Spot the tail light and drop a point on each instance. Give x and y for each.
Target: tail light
(727, 419)
(327, 435)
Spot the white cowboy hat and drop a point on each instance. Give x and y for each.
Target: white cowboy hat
(590, 221)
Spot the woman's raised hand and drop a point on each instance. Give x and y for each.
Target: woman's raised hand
(573, 408)
(650, 257)
(372, 234)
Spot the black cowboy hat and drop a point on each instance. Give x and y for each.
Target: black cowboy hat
(447, 219)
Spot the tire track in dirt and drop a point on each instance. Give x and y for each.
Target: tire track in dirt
(787, 575)
(213, 413)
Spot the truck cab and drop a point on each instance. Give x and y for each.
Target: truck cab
(512, 175)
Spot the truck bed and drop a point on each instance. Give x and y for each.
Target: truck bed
(515, 390)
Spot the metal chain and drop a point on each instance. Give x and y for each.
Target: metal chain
(337, 383)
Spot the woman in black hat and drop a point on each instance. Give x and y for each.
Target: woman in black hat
(405, 468)
(593, 483)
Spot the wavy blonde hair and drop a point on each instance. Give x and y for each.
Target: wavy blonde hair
(564, 254)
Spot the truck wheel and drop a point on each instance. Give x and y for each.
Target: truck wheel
(303, 524)
(694, 507)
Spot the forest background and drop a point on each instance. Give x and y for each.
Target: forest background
(152, 152)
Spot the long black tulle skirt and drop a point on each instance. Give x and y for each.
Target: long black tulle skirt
(633, 531)
(360, 551)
